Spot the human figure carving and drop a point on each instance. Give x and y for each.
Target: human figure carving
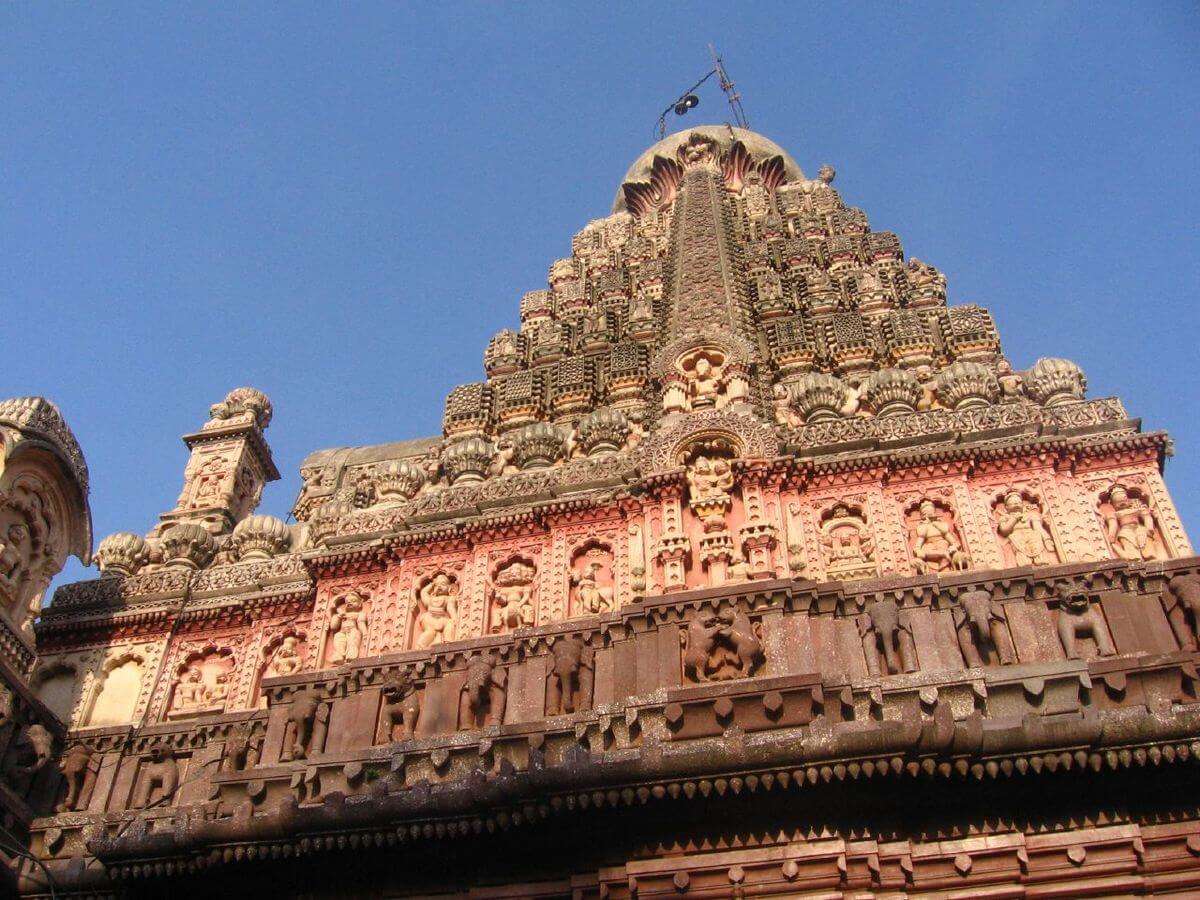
(881, 630)
(286, 660)
(1182, 600)
(483, 694)
(1129, 526)
(1079, 617)
(75, 766)
(189, 693)
(935, 547)
(349, 627)
(572, 672)
(782, 403)
(437, 611)
(308, 719)
(219, 691)
(512, 597)
(593, 597)
(160, 778)
(980, 623)
(705, 380)
(1021, 523)
(401, 708)
(709, 476)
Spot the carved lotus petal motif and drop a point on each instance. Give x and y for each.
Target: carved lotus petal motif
(121, 554)
(1053, 381)
(467, 460)
(323, 524)
(398, 480)
(891, 391)
(963, 385)
(260, 537)
(817, 396)
(187, 545)
(537, 445)
(603, 430)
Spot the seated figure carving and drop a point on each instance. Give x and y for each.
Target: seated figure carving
(1079, 618)
(935, 546)
(401, 709)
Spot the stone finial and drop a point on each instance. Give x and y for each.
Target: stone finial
(537, 445)
(467, 460)
(323, 524)
(187, 545)
(827, 173)
(817, 396)
(397, 480)
(966, 384)
(260, 537)
(1053, 381)
(121, 554)
(603, 430)
(891, 391)
(244, 404)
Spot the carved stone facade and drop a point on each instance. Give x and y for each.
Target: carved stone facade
(742, 509)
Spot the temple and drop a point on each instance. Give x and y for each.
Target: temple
(750, 568)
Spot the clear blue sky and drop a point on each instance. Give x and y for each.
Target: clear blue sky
(340, 206)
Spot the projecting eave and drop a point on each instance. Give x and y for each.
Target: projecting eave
(370, 453)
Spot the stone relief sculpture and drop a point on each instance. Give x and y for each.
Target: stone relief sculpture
(437, 611)
(882, 631)
(287, 658)
(241, 751)
(483, 694)
(400, 709)
(572, 673)
(348, 628)
(592, 590)
(848, 542)
(722, 646)
(1079, 618)
(1129, 524)
(981, 626)
(160, 778)
(308, 724)
(1182, 602)
(203, 685)
(935, 545)
(1019, 521)
(76, 769)
(512, 596)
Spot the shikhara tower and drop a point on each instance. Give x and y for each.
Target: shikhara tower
(751, 568)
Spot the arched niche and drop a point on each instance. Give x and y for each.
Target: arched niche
(117, 693)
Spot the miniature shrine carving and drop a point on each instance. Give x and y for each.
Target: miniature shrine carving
(935, 546)
(512, 596)
(159, 778)
(437, 611)
(1129, 524)
(1079, 618)
(848, 542)
(1019, 521)
(348, 627)
(887, 641)
(981, 625)
(721, 646)
(572, 673)
(484, 693)
(401, 707)
(1182, 602)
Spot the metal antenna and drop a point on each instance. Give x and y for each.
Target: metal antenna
(727, 85)
(688, 99)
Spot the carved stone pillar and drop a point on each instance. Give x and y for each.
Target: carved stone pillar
(673, 547)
